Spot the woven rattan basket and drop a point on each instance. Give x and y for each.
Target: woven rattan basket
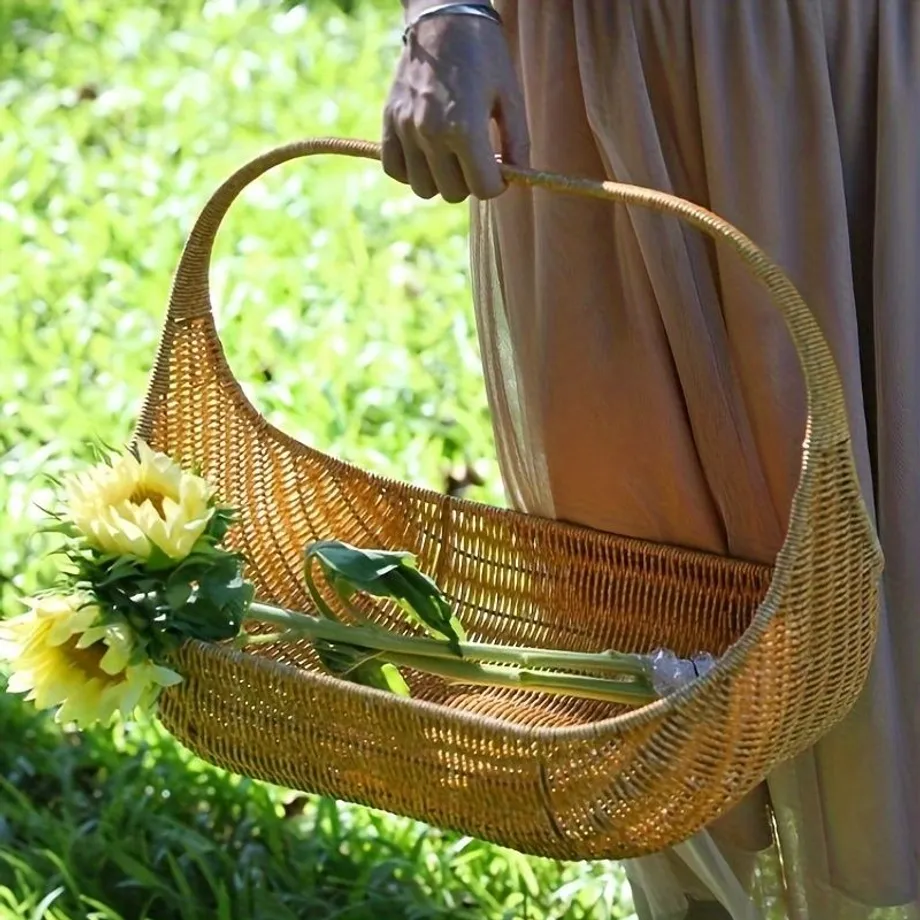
(548, 776)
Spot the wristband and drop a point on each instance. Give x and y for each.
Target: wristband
(482, 10)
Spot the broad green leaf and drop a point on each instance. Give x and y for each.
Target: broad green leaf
(220, 523)
(392, 575)
(360, 567)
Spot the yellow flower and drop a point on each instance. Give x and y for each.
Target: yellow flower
(60, 657)
(130, 505)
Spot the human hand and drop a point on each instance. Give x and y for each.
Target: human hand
(454, 77)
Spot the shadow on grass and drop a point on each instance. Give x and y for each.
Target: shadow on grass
(129, 825)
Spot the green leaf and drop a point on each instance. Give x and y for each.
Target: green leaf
(419, 595)
(158, 560)
(221, 521)
(360, 666)
(178, 594)
(193, 568)
(139, 654)
(125, 567)
(62, 527)
(390, 575)
(394, 680)
(204, 619)
(360, 567)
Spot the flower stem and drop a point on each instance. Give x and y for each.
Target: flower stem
(374, 637)
(630, 693)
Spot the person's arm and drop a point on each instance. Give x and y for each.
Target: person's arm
(455, 75)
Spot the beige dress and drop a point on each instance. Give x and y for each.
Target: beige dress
(640, 383)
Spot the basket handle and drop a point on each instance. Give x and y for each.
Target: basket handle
(827, 419)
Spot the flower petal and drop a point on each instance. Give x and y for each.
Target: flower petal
(166, 677)
(92, 636)
(116, 658)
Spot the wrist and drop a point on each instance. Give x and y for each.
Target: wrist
(415, 8)
(418, 10)
(412, 8)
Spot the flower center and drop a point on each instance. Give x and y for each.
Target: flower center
(87, 660)
(142, 494)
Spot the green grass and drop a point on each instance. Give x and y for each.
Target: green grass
(344, 307)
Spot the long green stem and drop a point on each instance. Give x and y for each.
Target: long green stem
(630, 693)
(418, 646)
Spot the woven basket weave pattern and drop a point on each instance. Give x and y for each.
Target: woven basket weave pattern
(550, 776)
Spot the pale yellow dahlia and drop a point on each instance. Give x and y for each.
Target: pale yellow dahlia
(132, 504)
(59, 657)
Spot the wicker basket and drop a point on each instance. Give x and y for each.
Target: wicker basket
(548, 776)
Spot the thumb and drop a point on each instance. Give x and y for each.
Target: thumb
(511, 117)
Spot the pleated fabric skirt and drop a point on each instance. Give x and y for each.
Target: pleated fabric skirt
(641, 383)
